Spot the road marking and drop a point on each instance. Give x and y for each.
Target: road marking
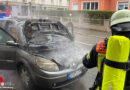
(96, 36)
(91, 35)
(83, 43)
(91, 75)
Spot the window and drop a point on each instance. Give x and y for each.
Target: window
(122, 5)
(3, 7)
(90, 5)
(4, 37)
(75, 6)
(12, 30)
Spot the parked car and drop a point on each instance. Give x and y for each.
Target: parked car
(43, 52)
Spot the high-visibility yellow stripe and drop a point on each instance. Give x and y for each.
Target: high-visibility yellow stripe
(100, 58)
(88, 56)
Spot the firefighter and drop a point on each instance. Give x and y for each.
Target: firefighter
(119, 25)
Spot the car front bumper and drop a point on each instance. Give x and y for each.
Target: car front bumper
(58, 79)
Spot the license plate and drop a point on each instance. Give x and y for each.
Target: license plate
(74, 74)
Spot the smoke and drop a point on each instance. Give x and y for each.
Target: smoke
(71, 57)
(66, 54)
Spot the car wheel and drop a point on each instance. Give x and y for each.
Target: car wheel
(26, 78)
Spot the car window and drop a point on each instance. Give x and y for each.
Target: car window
(4, 37)
(12, 30)
(2, 23)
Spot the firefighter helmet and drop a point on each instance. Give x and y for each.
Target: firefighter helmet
(120, 16)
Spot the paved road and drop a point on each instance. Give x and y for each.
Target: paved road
(85, 39)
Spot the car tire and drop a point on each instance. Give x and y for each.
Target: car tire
(26, 78)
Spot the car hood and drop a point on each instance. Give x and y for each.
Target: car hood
(69, 57)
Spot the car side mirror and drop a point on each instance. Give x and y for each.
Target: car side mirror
(12, 43)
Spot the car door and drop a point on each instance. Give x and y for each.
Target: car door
(7, 53)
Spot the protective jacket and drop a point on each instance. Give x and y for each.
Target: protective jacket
(96, 58)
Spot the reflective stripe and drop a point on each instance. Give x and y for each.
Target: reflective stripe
(88, 56)
(100, 58)
(97, 88)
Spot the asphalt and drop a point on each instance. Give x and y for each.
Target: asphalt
(85, 39)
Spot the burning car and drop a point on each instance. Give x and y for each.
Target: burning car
(43, 52)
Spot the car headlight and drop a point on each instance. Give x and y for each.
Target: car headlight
(46, 65)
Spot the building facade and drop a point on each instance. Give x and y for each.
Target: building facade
(106, 5)
(44, 4)
(33, 7)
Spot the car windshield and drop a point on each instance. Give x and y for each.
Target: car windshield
(3, 7)
(47, 39)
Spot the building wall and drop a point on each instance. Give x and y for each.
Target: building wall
(57, 2)
(44, 2)
(107, 5)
